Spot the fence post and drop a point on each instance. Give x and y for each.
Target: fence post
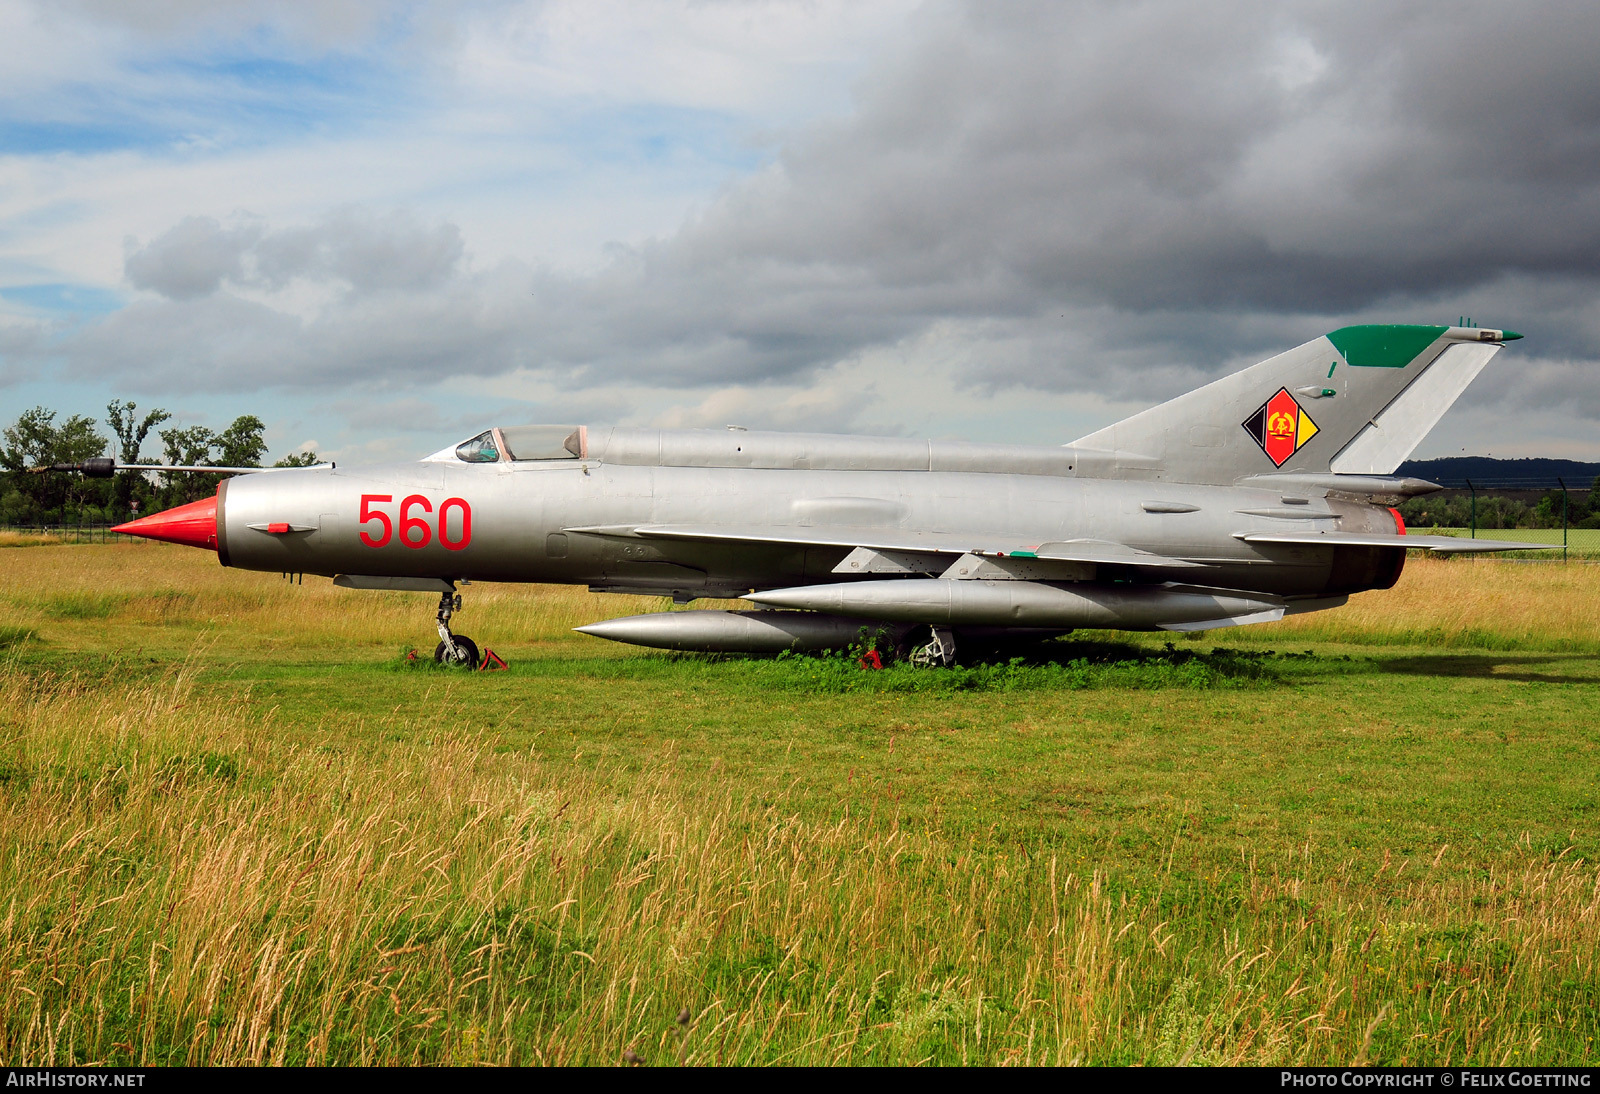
(1563, 518)
(1474, 490)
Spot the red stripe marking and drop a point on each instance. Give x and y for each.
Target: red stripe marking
(1399, 523)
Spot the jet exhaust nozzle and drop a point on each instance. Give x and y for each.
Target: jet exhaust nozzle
(193, 525)
(707, 631)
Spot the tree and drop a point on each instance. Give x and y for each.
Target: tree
(130, 433)
(1547, 514)
(241, 445)
(35, 440)
(308, 458)
(190, 447)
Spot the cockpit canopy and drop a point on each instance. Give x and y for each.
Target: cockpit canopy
(526, 442)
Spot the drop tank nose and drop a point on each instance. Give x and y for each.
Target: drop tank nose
(193, 525)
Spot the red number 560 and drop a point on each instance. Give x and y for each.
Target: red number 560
(415, 532)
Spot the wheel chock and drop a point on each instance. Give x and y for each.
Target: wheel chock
(492, 662)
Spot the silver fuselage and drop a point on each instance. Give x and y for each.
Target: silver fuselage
(521, 521)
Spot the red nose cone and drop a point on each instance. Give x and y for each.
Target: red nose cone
(193, 525)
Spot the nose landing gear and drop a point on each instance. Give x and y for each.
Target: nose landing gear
(453, 649)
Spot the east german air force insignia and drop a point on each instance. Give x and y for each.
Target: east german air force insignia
(1281, 427)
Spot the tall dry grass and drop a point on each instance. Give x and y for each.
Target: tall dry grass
(134, 591)
(10, 538)
(130, 592)
(186, 882)
(1491, 603)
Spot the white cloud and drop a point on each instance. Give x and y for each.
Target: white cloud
(190, 259)
(773, 60)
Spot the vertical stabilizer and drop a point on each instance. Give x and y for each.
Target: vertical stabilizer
(1356, 401)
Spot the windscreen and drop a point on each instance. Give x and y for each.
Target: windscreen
(481, 449)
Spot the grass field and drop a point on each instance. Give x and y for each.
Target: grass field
(236, 826)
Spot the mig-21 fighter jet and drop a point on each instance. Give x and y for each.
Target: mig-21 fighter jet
(1266, 493)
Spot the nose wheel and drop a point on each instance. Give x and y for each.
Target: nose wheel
(465, 653)
(453, 649)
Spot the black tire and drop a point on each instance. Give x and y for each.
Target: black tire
(910, 642)
(466, 646)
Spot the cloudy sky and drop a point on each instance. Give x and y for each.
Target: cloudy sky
(382, 226)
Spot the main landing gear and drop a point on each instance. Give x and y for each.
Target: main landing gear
(939, 653)
(453, 649)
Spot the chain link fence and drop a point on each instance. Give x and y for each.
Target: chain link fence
(44, 534)
(1493, 502)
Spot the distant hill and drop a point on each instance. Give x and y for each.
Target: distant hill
(1486, 471)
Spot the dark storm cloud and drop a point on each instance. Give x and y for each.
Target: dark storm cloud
(1114, 196)
(1199, 176)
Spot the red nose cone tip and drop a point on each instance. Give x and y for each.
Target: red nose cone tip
(193, 525)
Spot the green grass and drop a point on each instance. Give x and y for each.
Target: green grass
(237, 828)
